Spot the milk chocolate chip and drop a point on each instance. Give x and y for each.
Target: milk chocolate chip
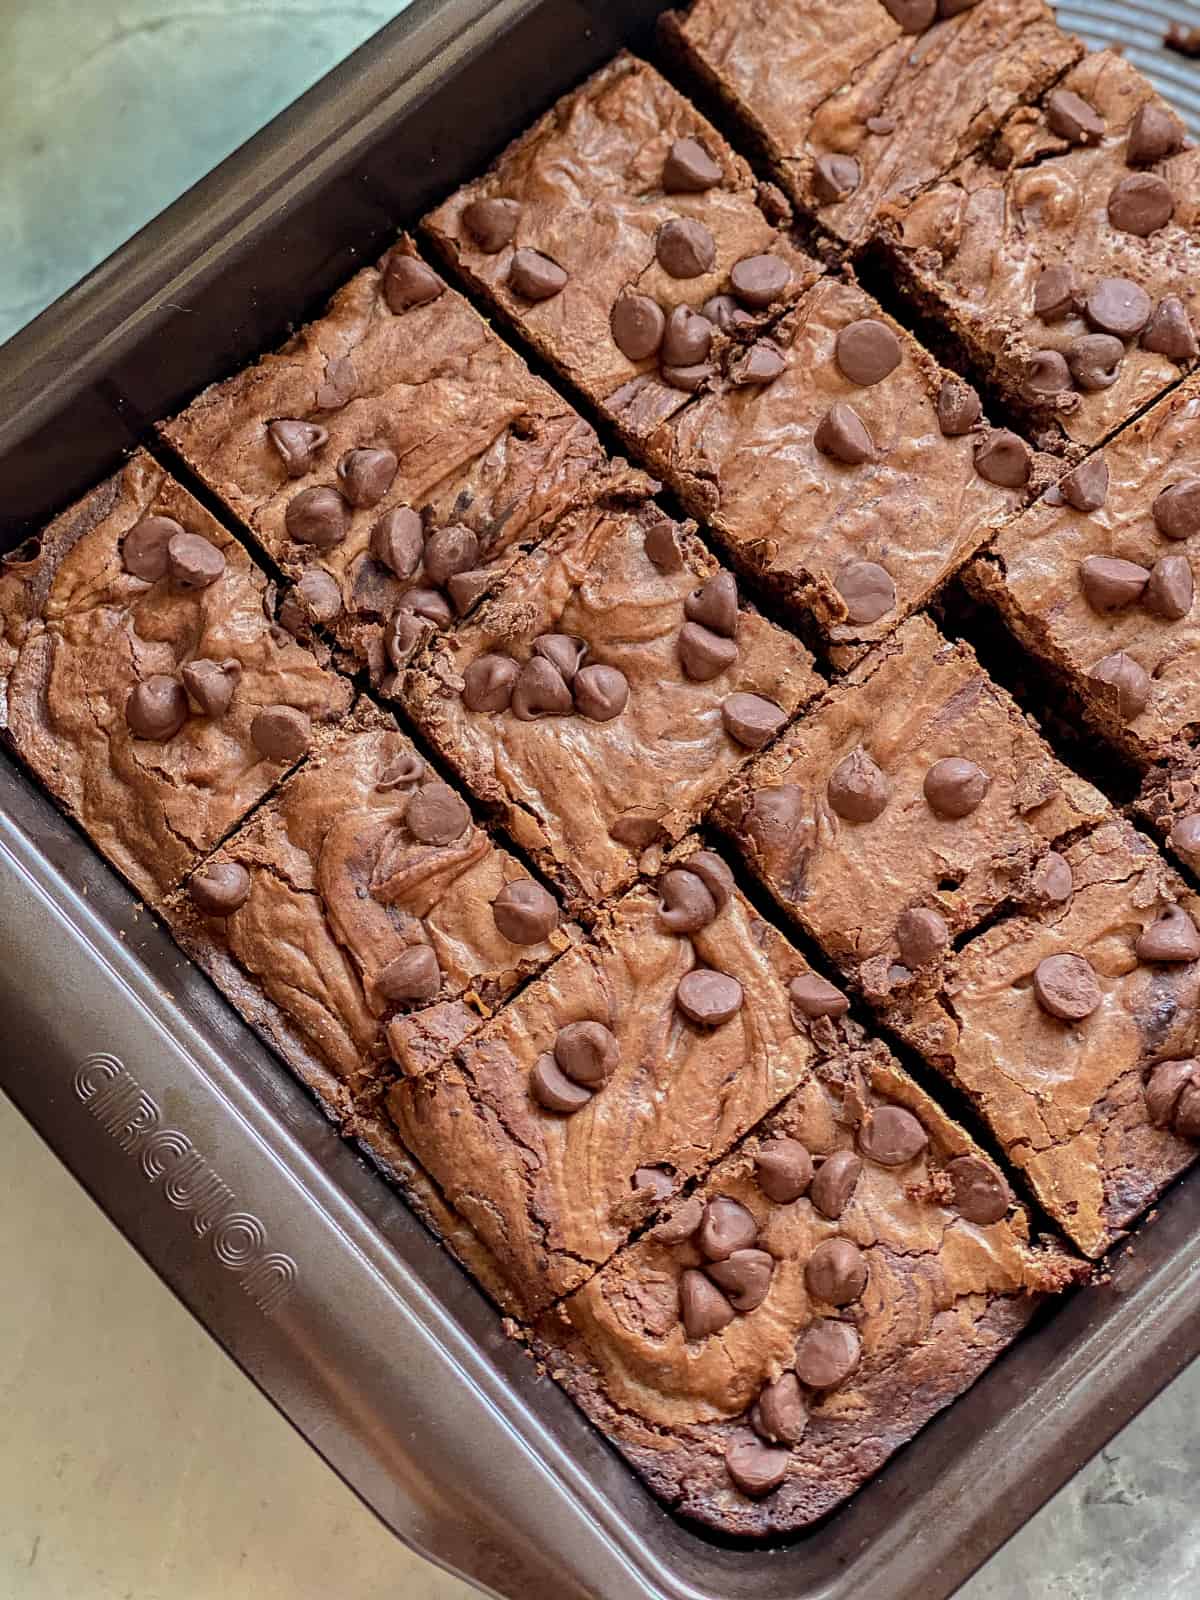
(834, 178)
(1003, 458)
(1128, 681)
(867, 589)
(1118, 306)
(783, 1170)
(761, 364)
(685, 905)
(1072, 119)
(857, 790)
(1086, 488)
(914, 16)
(1170, 591)
(836, 1272)
(755, 1468)
(714, 874)
(397, 541)
(540, 691)
(1111, 584)
(745, 1277)
(413, 975)
(715, 604)
(954, 787)
(980, 1193)
(144, 548)
(637, 324)
(866, 351)
(1066, 987)
(436, 815)
(827, 1353)
(449, 551)
(1172, 936)
(779, 1414)
(835, 1182)
(554, 1090)
(297, 444)
(220, 888)
(922, 936)
(492, 223)
(751, 719)
(488, 683)
(317, 516)
(1055, 294)
(685, 248)
(1154, 134)
(726, 1226)
(601, 693)
(708, 998)
(588, 1053)
(704, 654)
(1053, 881)
(842, 435)
(687, 338)
(689, 169)
(1176, 511)
(565, 651)
(958, 408)
(408, 282)
(703, 1309)
(1185, 835)
(210, 684)
(156, 708)
(281, 733)
(1140, 204)
(1095, 361)
(366, 475)
(534, 276)
(524, 912)
(758, 281)
(892, 1136)
(1173, 1097)
(1046, 373)
(1169, 332)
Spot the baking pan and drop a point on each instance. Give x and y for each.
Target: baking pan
(216, 1165)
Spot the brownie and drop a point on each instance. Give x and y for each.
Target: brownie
(846, 1273)
(910, 804)
(1169, 803)
(1065, 260)
(625, 1070)
(601, 698)
(143, 680)
(851, 111)
(392, 457)
(362, 911)
(1097, 581)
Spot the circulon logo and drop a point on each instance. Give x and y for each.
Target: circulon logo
(187, 1182)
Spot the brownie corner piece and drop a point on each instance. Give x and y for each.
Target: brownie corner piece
(143, 680)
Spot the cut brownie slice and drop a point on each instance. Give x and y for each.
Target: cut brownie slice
(363, 910)
(912, 802)
(605, 694)
(623, 1071)
(1169, 802)
(846, 1273)
(1072, 1024)
(393, 457)
(1066, 260)
(851, 111)
(142, 679)
(1098, 578)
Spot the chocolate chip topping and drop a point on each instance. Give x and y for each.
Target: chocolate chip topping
(714, 874)
(339, 385)
(413, 975)
(715, 604)
(891, 1136)
(318, 594)
(1072, 119)
(1140, 204)
(1110, 584)
(398, 540)
(449, 551)
(661, 545)
(1055, 294)
(687, 339)
(834, 178)
(685, 905)
(958, 408)
(1053, 880)
(565, 651)
(836, 1272)
(636, 830)
(540, 691)
(1154, 134)
(220, 888)
(1170, 591)
(835, 1182)
(857, 789)
(402, 772)
(524, 912)
(156, 708)
(1172, 936)
(751, 719)
(980, 1193)
(1095, 361)
(534, 276)
(436, 815)
(689, 169)
(914, 16)
(827, 1352)
(637, 324)
(922, 936)
(601, 693)
(814, 996)
(703, 1309)
(408, 283)
(866, 351)
(488, 683)
(704, 654)
(554, 1090)
(1173, 1097)
(725, 1227)
(779, 1414)
(1128, 682)
(366, 475)
(754, 1467)
(1046, 373)
(1066, 987)
(144, 548)
(464, 588)
(210, 684)
(194, 562)
(588, 1053)
(318, 516)
(682, 1224)
(297, 444)
(773, 817)
(868, 590)
(842, 435)
(758, 281)
(783, 1170)
(658, 1182)
(1118, 306)
(745, 1278)
(685, 248)
(281, 733)
(954, 786)
(1185, 835)
(492, 223)
(723, 311)
(687, 379)
(1086, 487)
(708, 998)
(1169, 332)
(1003, 458)
(761, 364)
(1176, 510)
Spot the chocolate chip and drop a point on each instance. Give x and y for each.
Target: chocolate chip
(814, 996)
(779, 1414)
(1066, 987)
(194, 562)
(661, 545)
(1140, 204)
(319, 594)
(688, 379)
(682, 1223)
(922, 936)
(827, 1352)
(761, 364)
(565, 651)
(723, 311)
(636, 830)
(402, 772)
(601, 693)
(413, 975)
(914, 16)
(866, 351)
(429, 606)
(401, 636)
(715, 604)
(1072, 119)
(1110, 584)
(1170, 591)
(539, 691)
(637, 324)
(783, 1170)
(1128, 681)
(588, 1053)
(281, 733)
(1053, 880)
(220, 888)
(659, 1183)
(436, 815)
(408, 282)
(703, 1309)
(958, 408)
(857, 790)
(842, 435)
(1185, 835)
(883, 125)
(398, 540)
(449, 551)
(684, 905)
(1055, 293)
(534, 276)
(704, 654)
(339, 385)
(1046, 373)
(868, 590)
(836, 1272)
(751, 719)
(492, 223)
(144, 549)
(687, 339)
(317, 516)
(297, 444)
(980, 1193)
(774, 817)
(1169, 332)
(758, 281)
(1086, 488)
(745, 1278)
(725, 1227)
(1118, 306)
(366, 475)
(1095, 361)
(524, 912)
(1173, 1096)
(156, 708)
(954, 787)
(1176, 510)
(891, 1136)
(685, 248)
(755, 1468)
(1172, 936)
(555, 1091)
(834, 178)
(714, 875)
(1154, 134)
(1002, 458)
(708, 998)
(835, 1182)
(689, 169)
(210, 684)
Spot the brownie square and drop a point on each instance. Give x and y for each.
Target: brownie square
(552, 1176)
(852, 111)
(1079, 225)
(143, 680)
(759, 1354)
(1169, 803)
(356, 914)
(592, 765)
(1072, 1024)
(393, 457)
(910, 804)
(1092, 585)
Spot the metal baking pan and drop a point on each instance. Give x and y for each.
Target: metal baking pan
(289, 1247)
